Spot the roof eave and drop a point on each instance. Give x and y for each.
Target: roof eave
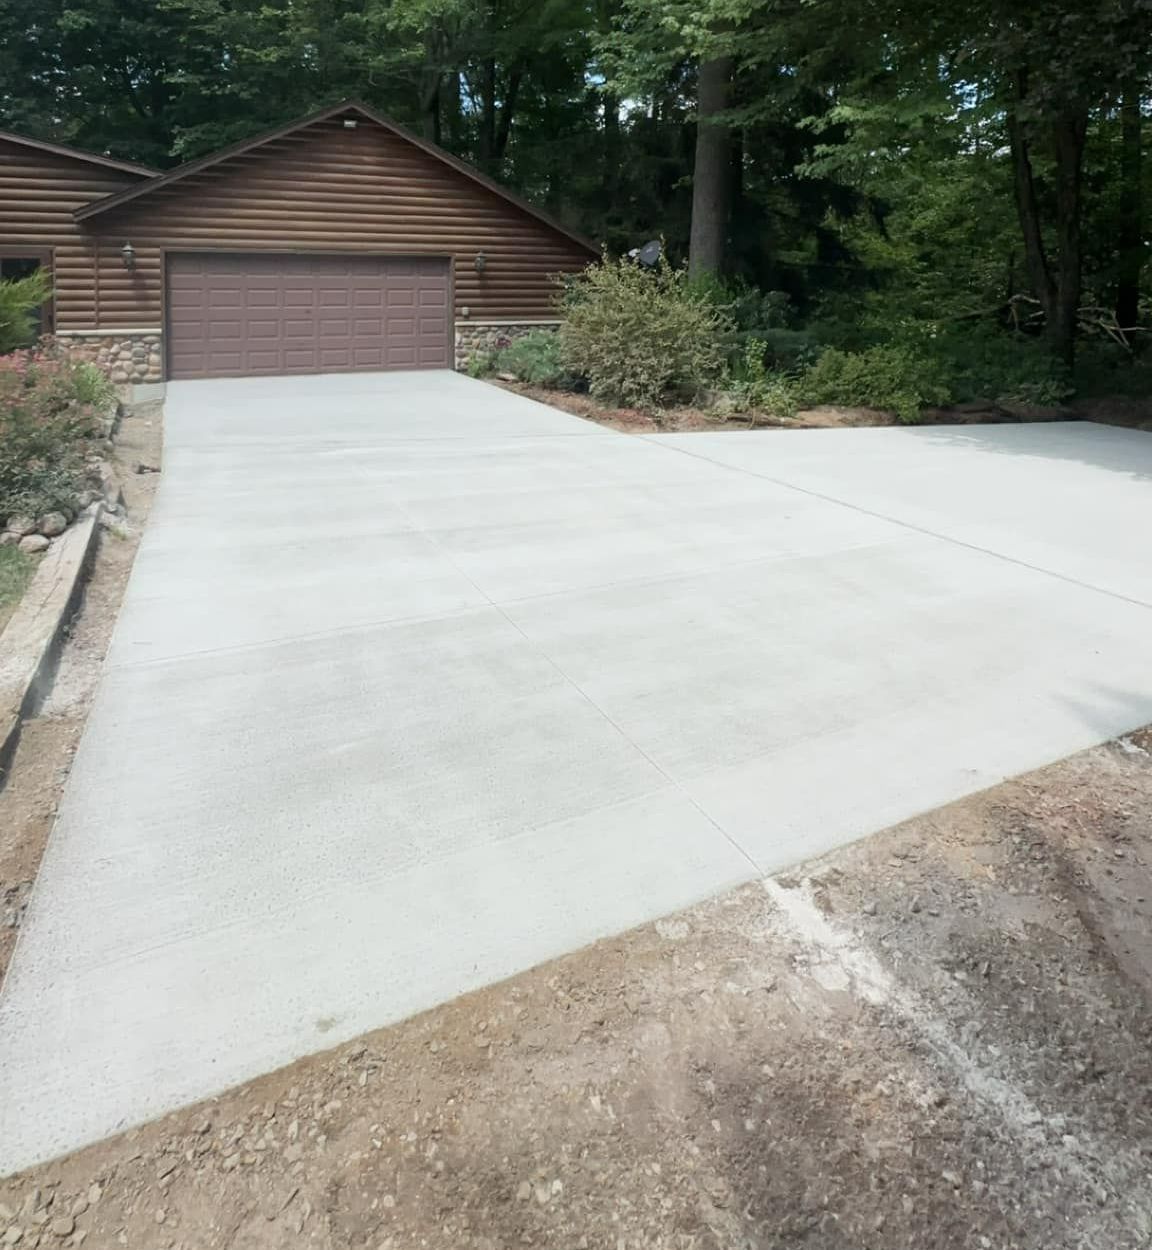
(75, 154)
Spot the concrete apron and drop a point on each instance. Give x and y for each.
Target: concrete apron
(418, 683)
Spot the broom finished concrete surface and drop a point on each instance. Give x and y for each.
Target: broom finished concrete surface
(418, 683)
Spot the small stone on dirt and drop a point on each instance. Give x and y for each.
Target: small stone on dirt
(13, 1235)
(63, 1226)
(523, 1191)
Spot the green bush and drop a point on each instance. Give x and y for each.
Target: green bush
(642, 337)
(987, 363)
(47, 419)
(480, 364)
(895, 379)
(536, 358)
(756, 388)
(20, 300)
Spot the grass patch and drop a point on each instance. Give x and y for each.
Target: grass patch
(15, 574)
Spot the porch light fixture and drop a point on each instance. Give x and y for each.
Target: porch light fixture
(481, 262)
(128, 255)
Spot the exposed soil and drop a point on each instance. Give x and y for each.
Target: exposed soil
(48, 740)
(935, 1038)
(827, 417)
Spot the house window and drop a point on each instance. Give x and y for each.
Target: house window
(18, 263)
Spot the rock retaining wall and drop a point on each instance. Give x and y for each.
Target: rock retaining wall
(125, 356)
(490, 336)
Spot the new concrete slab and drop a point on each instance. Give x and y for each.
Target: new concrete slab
(418, 683)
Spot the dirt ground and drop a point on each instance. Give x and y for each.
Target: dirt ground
(936, 1038)
(637, 421)
(49, 739)
(827, 417)
(1129, 412)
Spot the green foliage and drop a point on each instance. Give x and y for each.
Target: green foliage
(19, 301)
(47, 419)
(480, 364)
(536, 358)
(15, 573)
(87, 384)
(987, 363)
(899, 380)
(756, 388)
(642, 337)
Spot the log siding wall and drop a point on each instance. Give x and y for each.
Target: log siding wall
(326, 188)
(38, 193)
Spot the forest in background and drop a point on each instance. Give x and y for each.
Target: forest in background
(855, 172)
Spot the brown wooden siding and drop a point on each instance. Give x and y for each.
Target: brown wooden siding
(38, 193)
(325, 188)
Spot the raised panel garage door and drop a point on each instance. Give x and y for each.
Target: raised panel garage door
(232, 315)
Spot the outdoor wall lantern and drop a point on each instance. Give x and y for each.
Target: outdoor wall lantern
(128, 254)
(481, 262)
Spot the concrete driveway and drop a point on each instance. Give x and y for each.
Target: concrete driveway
(418, 683)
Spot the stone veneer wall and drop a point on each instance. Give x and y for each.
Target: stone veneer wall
(127, 357)
(489, 336)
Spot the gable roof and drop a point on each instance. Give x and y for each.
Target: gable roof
(59, 149)
(336, 110)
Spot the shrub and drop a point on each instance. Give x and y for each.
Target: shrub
(19, 301)
(47, 417)
(896, 379)
(759, 389)
(536, 358)
(642, 337)
(480, 364)
(992, 364)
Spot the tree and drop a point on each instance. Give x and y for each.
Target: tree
(712, 172)
(1130, 241)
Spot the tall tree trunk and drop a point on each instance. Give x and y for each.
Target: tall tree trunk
(610, 178)
(488, 117)
(1131, 241)
(450, 111)
(1057, 284)
(712, 174)
(429, 84)
(507, 114)
(1070, 132)
(1027, 206)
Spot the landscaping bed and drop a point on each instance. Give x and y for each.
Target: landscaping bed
(687, 418)
(654, 349)
(57, 421)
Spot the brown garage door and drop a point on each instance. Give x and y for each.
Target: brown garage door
(239, 315)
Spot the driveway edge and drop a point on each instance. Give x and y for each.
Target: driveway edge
(30, 643)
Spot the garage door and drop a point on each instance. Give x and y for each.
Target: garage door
(240, 315)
